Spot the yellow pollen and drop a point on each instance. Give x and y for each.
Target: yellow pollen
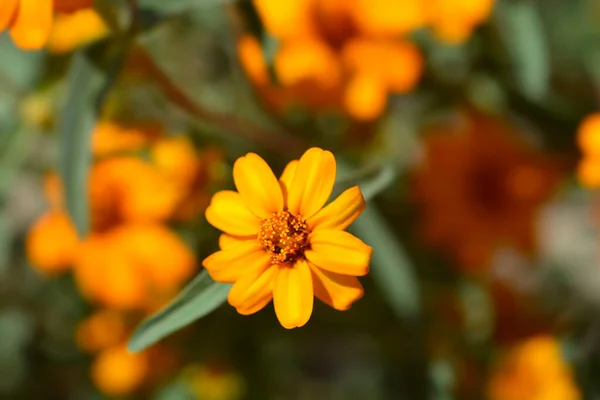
(284, 236)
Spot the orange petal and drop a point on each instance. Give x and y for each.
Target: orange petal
(338, 291)
(71, 31)
(258, 305)
(588, 135)
(162, 257)
(257, 185)
(237, 261)
(285, 180)
(104, 273)
(308, 60)
(251, 57)
(117, 372)
(52, 243)
(365, 97)
(293, 295)
(8, 8)
(150, 197)
(100, 330)
(287, 176)
(226, 241)
(341, 212)
(312, 183)
(339, 252)
(228, 212)
(388, 17)
(32, 25)
(291, 18)
(249, 291)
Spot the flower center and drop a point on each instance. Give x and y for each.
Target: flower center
(284, 236)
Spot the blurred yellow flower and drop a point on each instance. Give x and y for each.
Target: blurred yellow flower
(390, 18)
(588, 172)
(588, 135)
(114, 370)
(588, 140)
(534, 370)
(71, 31)
(117, 372)
(30, 21)
(110, 137)
(280, 243)
(479, 188)
(453, 21)
(54, 253)
(214, 382)
(190, 170)
(102, 329)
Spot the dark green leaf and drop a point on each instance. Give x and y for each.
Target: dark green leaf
(164, 8)
(90, 76)
(199, 298)
(521, 30)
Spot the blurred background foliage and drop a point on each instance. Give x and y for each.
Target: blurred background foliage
(472, 127)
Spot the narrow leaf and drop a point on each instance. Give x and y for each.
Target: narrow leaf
(520, 27)
(165, 8)
(372, 179)
(75, 126)
(391, 269)
(90, 77)
(199, 298)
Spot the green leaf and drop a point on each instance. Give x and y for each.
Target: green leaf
(17, 78)
(165, 8)
(90, 76)
(372, 179)
(75, 126)
(391, 269)
(520, 27)
(199, 298)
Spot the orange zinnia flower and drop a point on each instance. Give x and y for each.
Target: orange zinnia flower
(534, 370)
(280, 243)
(336, 54)
(30, 21)
(130, 259)
(588, 140)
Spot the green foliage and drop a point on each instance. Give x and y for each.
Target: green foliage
(199, 298)
(520, 27)
(91, 74)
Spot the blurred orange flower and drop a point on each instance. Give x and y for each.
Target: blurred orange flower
(324, 57)
(76, 29)
(190, 170)
(588, 140)
(350, 56)
(453, 21)
(533, 370)
(479, 188)
(130, 259)
(30, 21)
(280, 243)
(115, 371)
(110, 137)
